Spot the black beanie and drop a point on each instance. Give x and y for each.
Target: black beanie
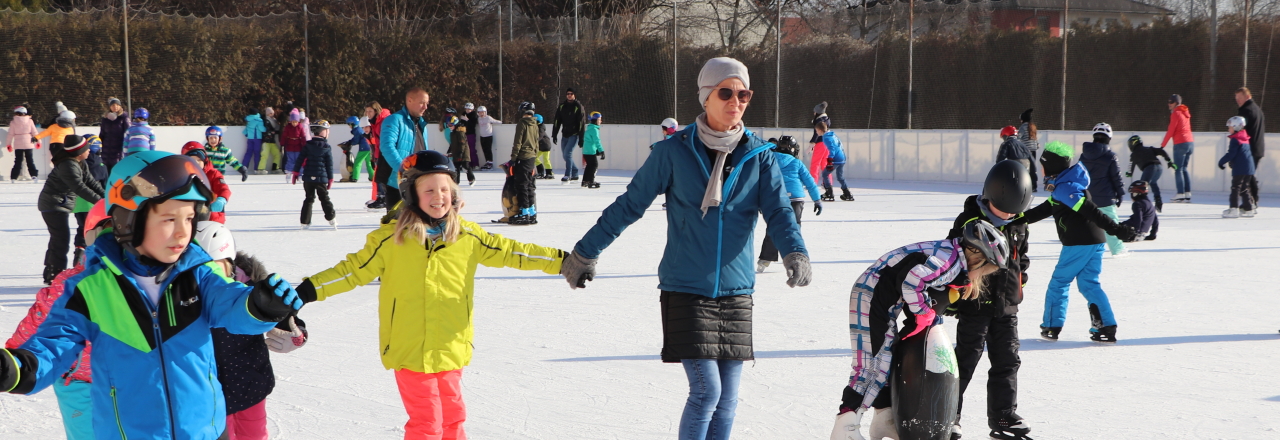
(1026, 115)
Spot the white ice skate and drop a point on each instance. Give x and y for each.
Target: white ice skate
(334, 223)
(1250, 213)
(761, 265)
(304, 227)
(1231, 213)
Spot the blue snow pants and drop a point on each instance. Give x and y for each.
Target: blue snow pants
(1084, 265)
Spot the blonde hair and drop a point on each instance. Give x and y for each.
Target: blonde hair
(411, 226)
(977, 285)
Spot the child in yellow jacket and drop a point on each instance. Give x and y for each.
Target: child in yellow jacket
(427, 260)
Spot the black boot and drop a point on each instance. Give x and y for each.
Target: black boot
(1050, 333)
(49, 274)
(541, 170)
(846, 196)
(828, 196)
(1009, 427)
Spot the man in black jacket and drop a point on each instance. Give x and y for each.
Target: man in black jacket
(993, 319)
(1255, 125)
(573, 118)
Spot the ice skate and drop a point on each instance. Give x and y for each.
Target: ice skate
(956, 434)
(304, 227)
(1105, 334)
(334, 224)
(1231, 213)
(846, 196)
(487, 166)
(1050, 333)
(1009, 427)
(761, 265)
(1249, 214)
(828, 196)
(564, 180)
(471, 183)
(375, 205)
(1180, 198)
(594, 185)
(573, 179)
(585, 184)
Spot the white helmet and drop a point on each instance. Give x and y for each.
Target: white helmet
(67, 114)
(1236, 122)
(670, 123)
(481, 109)
(216, 240)
(469, 106)
(1103, 128)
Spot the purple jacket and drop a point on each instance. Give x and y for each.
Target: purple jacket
(112, 134)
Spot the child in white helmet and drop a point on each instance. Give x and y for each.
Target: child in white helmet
(484, 129)
(1242, 169)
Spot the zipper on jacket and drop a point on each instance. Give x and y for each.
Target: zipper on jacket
(213, 419)
(116, 405)
(390, 323)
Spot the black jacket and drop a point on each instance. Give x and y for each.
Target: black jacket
(1088, 226)
(69, 178)
(472, 120)
(1255, 125)
(1012, 148)
(699, 327)
(1104, 174)
(572, 117)
(316, 163)
(1004, 288)
(1141, 156)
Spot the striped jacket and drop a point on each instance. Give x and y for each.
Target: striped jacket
(221, 156)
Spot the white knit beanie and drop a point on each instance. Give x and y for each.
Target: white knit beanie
(717, 70)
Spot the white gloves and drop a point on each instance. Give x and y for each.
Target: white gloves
(848, 426)
(281, 341)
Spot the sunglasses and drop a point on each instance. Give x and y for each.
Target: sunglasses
(725, 93)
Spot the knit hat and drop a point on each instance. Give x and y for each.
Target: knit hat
(58, 107)
(820, 108)
(570, 90)
(1026, 115)
(114, 100)
(73, 144)
(1175, 99)
(717, 70)
(294, 115)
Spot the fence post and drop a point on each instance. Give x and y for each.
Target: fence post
(1066, 27)
(306, 59)
(911, 58)
(675, 54)
(500, 115)
(777, 74)
(128, 88)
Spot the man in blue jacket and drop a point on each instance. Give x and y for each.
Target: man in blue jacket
(404, 133)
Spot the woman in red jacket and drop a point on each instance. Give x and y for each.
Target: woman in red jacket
(1183, 145)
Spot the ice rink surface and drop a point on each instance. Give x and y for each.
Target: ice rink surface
(1198, 357)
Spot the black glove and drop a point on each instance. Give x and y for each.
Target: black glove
(8, 371)
(244, 174)
(1125, 233)
(1222, 166)
(273, 300)
(306, 292)
(600, 155)
(1119, 202)
(817, 207)
(14, 378)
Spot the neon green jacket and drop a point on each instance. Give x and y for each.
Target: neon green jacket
(425, 300)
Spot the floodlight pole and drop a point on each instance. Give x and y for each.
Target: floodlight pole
(1066, 26)
(128, 87)
(500, 60)
(777, 77)
(911, 57)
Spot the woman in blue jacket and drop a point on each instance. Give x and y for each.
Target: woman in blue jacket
(718, 178)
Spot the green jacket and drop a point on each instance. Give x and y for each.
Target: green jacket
(591, 142)
(525, 146)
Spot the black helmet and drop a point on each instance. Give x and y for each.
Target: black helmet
(526, 107)
(1139, 187)
(983, 237)
(420, 164)
(1008, 187)
(787, 144)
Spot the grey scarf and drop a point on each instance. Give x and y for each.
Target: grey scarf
(723, 143)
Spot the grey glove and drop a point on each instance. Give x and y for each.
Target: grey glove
(577, 270)
(817, 207)
(798, 270)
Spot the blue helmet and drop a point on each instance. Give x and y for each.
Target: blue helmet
(95, 144)
(352, 120)
(149, 177)
(538, 117)
(213, 130)
(141, 113)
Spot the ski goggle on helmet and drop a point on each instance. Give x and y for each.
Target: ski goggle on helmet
(151, 177)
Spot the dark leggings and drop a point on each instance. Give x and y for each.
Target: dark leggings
(767, 251)
(460, 166)
(589, 173)
(321, 190)
(486, 146)
(59, 239)
(18, 155)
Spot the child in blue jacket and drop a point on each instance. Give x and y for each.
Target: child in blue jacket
(1240, 157)
(797, 180)
(835, 162)
(147, 301)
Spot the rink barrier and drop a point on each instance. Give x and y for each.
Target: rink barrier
(907, 155)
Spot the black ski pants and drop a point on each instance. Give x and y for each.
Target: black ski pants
(1000, 337)
(1241, 195)
(321, 190)
(767, 250)
(382, 174)
(59, 239)
(525, 185)
(18, 156)
(459, 167)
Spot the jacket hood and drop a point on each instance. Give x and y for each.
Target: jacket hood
(529, 121)
(1183, 109)
(1073, 174)
(1242, 136)
(1094, 150)
(254, 117)
(251, 267)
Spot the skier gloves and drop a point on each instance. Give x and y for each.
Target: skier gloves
(284, 341)
(577, 270)
(817, 207)
(273, 300)
(798, 271)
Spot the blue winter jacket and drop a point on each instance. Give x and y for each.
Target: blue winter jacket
(253, 126)
(1240, 156)
(1104, 174)
(397, 141)
(315, 164)
(708, 255)
(835, 150)
(154, 374)
(797, 178)
(357, 135)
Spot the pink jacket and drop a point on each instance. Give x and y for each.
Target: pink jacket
(37, 314)
(1179, 127)
(21, 130)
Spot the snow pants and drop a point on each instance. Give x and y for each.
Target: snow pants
(713, 398)
(434, 404)
(526, 187)
(1113, 243)
(252, 153)
(768, 252)
(313, 190)
(59, 239)
(471, 144)
(1000, 337)
(1240, 196)
(248, 424)
(591, 162)
(18, 156)
(291, 160)
(1084, 265)
(76, 407)
(544, 160)
(270, 156)
(362, 161)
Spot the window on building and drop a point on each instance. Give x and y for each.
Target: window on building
(1042, 23)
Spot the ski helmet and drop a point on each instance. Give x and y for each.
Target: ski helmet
(981, 236)
(95, 219)
(151, 177)
(1056, 158)
(95, 143)
(788, 145)
(319, 126)
(1135, 142)
(1008, 187)
(420, 164)
(538, 117)
(481, 109)
(1102, 128)
(1139, 187)
(192, 145)
(216, 240)
(669, 123)
(67, 115)
(450, 110)
(1008, 130)
(352, 120)
(1236, 122)
(141, 113)
(213, 130)
(527, 107)
(594, 116)
(469, 106)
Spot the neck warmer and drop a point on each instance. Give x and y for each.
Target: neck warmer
(723, 143)
(986, 210)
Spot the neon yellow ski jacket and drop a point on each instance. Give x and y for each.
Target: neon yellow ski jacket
(425, 300)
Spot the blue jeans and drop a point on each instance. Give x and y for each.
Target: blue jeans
(713, 398)
(1084, 265)
(567, 144)
(1151, 174)
(826, 176)
(1182, 155)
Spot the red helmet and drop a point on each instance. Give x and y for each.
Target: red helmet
(193, 145)
(1009, 131)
